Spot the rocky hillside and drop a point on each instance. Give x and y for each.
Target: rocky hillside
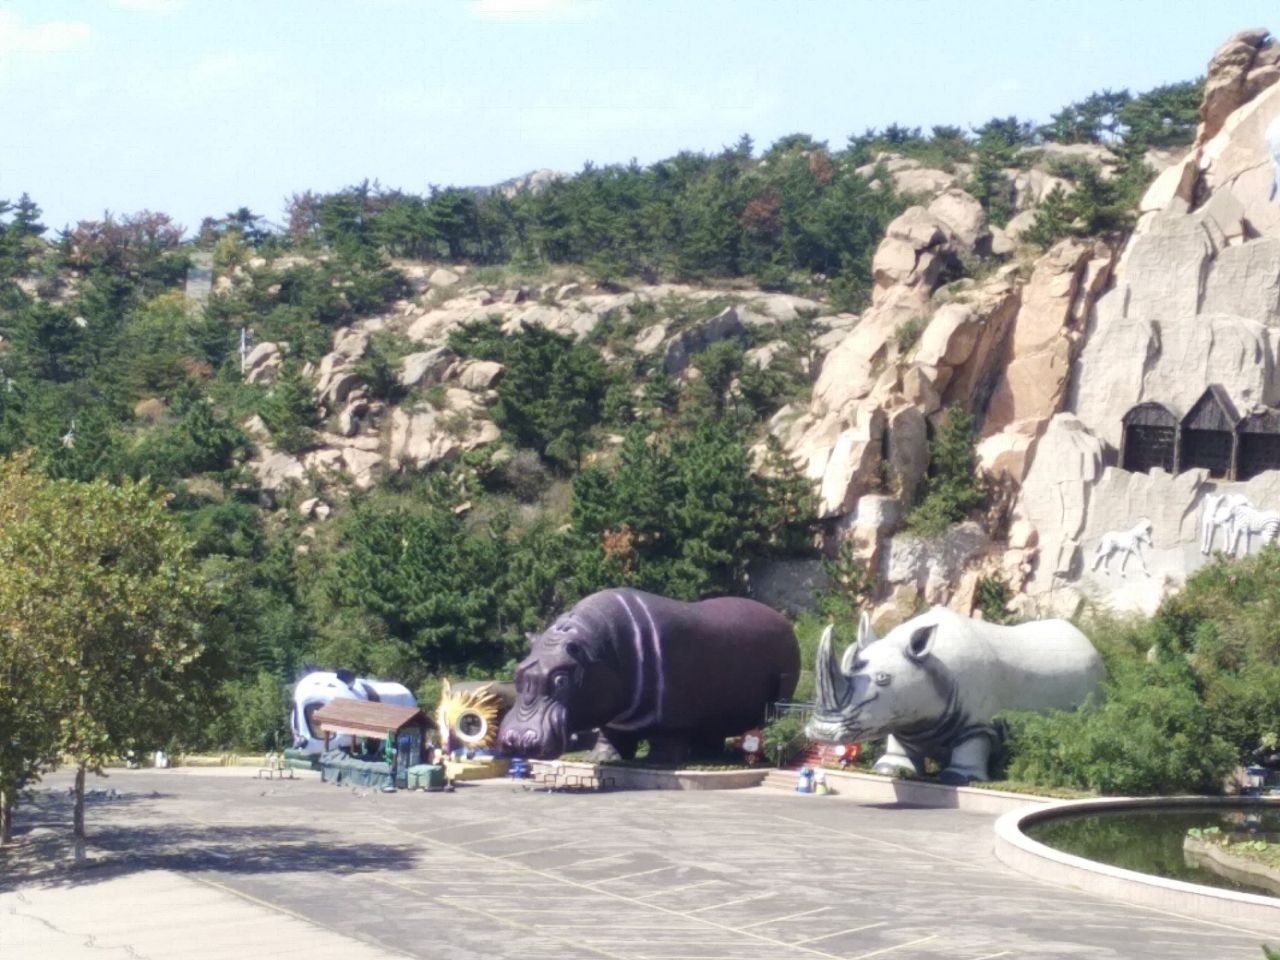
(445, 412)
(1047, 348)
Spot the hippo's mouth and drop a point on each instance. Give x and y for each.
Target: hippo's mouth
(538, 735)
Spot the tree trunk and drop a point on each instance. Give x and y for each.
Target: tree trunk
(6, 817)
(77, 823)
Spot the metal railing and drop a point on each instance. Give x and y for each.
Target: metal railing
(789, 708)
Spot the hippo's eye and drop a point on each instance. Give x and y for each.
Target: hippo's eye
(560, 680)
(882, 679)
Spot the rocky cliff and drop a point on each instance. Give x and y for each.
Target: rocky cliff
(1051, 355)
(1195, 301)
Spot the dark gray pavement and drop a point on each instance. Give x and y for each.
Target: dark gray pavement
(495, 871)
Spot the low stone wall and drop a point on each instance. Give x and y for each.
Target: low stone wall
(1019, 851)
(641, 778)
(876, 788)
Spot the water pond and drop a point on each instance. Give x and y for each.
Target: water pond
(1150, 840)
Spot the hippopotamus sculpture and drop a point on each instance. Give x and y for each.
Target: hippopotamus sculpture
(638, 666)
(933, 684)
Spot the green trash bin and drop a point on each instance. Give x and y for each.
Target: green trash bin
(426, 776)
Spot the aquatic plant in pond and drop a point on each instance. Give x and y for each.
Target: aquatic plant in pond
(1150, 840)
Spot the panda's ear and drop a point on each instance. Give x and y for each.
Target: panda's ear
(921, 642)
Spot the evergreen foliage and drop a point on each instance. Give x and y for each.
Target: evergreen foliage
(953, 488)
(1190, 693)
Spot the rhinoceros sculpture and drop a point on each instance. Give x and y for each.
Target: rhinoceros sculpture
(933, 684)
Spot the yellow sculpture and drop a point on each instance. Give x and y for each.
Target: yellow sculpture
(469, 715)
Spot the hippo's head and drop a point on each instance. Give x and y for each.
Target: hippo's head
(881, 686)
(568, 683)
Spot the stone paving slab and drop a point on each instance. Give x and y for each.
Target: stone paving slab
(496, 871)
(160, 914)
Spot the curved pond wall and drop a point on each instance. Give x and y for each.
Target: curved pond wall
(1019, 851)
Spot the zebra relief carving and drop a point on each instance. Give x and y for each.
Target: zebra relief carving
(1240, 520)
(1215, 515)
(1246, 522)
(934, 684)
(1127, 543)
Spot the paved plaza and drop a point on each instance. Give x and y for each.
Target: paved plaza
(217, 862)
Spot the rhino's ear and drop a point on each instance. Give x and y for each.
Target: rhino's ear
(865, 634)
(921, 642)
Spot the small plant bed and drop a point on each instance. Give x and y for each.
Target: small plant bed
(1033, 789)
(1243, 857)
(729, 760)
(640, 774)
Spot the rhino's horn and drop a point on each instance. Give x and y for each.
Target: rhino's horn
(832, 685)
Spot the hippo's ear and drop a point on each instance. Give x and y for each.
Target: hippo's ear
(921, 642)
(865, 634)
(531, 636)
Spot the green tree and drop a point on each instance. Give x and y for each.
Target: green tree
(550, 394)
(289, 410)
(996, 148)
(953, 487)
(102, 578)
(28, 697)
(682, 515)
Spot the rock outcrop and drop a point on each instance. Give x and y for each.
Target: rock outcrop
(1194, 300)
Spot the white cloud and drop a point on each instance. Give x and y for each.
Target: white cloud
(53, 36)
(157, 8)
(526, 9)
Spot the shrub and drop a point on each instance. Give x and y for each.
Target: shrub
(1152, 735)
(907, 334)
(991, 595)
(379, 368)
(954, 488)
(784, 738)
(289, 411)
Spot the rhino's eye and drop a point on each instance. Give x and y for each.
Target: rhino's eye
(882, 679)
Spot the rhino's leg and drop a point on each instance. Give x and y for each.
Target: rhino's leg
(897, 757)
(614, 745)
(968, 762)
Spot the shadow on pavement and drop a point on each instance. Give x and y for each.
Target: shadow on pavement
(42, 851)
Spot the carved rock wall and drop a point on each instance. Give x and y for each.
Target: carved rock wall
(1195, 301)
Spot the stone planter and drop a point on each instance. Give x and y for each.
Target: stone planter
(641, 778)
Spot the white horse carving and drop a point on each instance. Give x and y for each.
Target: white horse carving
(1217, 513)
(1128, 543)
(1246, 522)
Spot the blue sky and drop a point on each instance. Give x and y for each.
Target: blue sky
(197, 107)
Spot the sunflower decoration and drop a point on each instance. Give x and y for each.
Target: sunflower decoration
(469, 716)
